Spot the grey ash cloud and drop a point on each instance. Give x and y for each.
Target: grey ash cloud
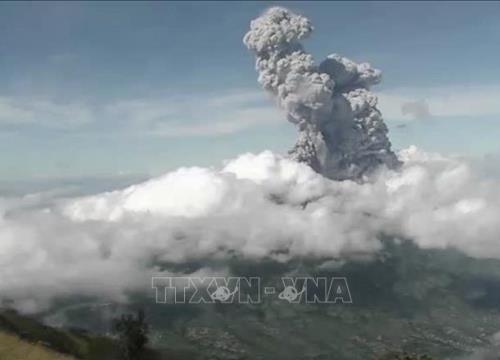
(418, 109)
(341, 132)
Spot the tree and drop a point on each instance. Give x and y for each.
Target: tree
(132, 334)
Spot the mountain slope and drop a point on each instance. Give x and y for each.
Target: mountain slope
(14, 348)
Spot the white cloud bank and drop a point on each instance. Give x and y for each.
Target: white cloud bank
(43, 112)
(233, 111)
(220, 114)
(179, 116)
(255, 206)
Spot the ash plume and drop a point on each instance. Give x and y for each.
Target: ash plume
(341, 132)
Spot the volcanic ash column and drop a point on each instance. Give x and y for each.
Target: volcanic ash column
(341, 132)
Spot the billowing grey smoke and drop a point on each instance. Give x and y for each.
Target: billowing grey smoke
(341, 132)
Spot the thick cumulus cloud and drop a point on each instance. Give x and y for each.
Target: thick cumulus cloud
(341, 132)
(254, 207)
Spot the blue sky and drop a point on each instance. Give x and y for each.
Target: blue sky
(105, 89)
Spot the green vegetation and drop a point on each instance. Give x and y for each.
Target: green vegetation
(30, 333)
(24, 338)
